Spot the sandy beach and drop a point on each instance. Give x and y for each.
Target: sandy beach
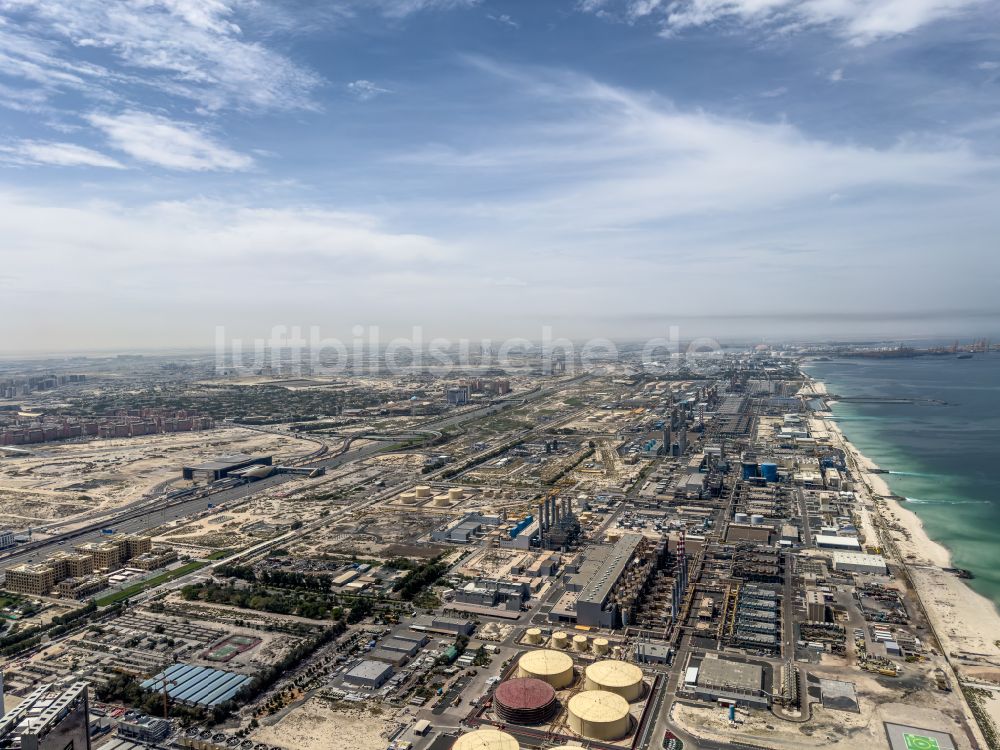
(967, 624)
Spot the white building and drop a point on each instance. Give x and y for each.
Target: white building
(858, 562)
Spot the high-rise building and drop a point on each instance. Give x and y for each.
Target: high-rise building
(53, 717)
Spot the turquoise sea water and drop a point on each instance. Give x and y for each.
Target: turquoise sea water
(944, 457)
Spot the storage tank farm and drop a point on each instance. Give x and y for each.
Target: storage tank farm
(486, 739)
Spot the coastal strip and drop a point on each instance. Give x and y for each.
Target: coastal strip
(965, 624)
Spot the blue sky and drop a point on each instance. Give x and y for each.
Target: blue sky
(606, 167)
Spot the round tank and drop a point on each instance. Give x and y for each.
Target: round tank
(599, 715)
(601, 646)
(618, 677)
(455, 493)
(560, 640)
(741, 518)
(553, 667)
(533, 635)
(442, 501)
(486, 739)
(422, 491)
(581, 643)
(524, 700)
(408, 498)
(757, 519)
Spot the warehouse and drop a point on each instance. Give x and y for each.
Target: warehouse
(858, 562)
(222, 466)
(727, 680)
(369, 674)
(829, 541)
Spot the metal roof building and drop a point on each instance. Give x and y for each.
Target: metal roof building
(197, 686)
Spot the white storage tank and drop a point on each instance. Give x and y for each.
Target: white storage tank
(617, 677)
(486, 739)
(533, 635)
(599, 715)
(560, 640)
(548, 665)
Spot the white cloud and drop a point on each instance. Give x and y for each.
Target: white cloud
(836, 76)
(57, 154)
(505, 19)
(858, 21)
(165, 143)
(365, 90)
(598, 157)
(774, 93)
(403, 8)
(188, 48)
(989, 65)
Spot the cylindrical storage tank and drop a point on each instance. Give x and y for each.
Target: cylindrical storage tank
(423, 491)
(601, 646)
(455, 493)
(408, 498)
(741, 518)
(533, 635)
(486, 739)
(599, 715)
(553, 667)
(524, 700)
(442, 501)
(757, 519)
(560, 640)
(618, 677)
(581, 643)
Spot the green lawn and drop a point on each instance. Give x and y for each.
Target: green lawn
(150, 583)
(219, 554)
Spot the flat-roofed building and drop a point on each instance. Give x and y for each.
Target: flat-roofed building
(720, 679)
(34, 580)
(370, 674)
(71, 565)
(859, 562)
(80, 588)
(106, 555)
(137, 544)
(49, 718)
(815, 605)
(220, 467)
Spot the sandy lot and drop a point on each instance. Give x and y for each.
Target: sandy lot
(319, 725)
(59, 481)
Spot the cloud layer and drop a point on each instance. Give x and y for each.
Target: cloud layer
(859, 21)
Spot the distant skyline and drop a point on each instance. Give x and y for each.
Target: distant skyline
(750, 169)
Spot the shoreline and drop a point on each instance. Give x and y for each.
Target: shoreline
(966, 624)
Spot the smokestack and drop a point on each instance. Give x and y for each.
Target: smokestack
(555, 511)
(541, 521)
